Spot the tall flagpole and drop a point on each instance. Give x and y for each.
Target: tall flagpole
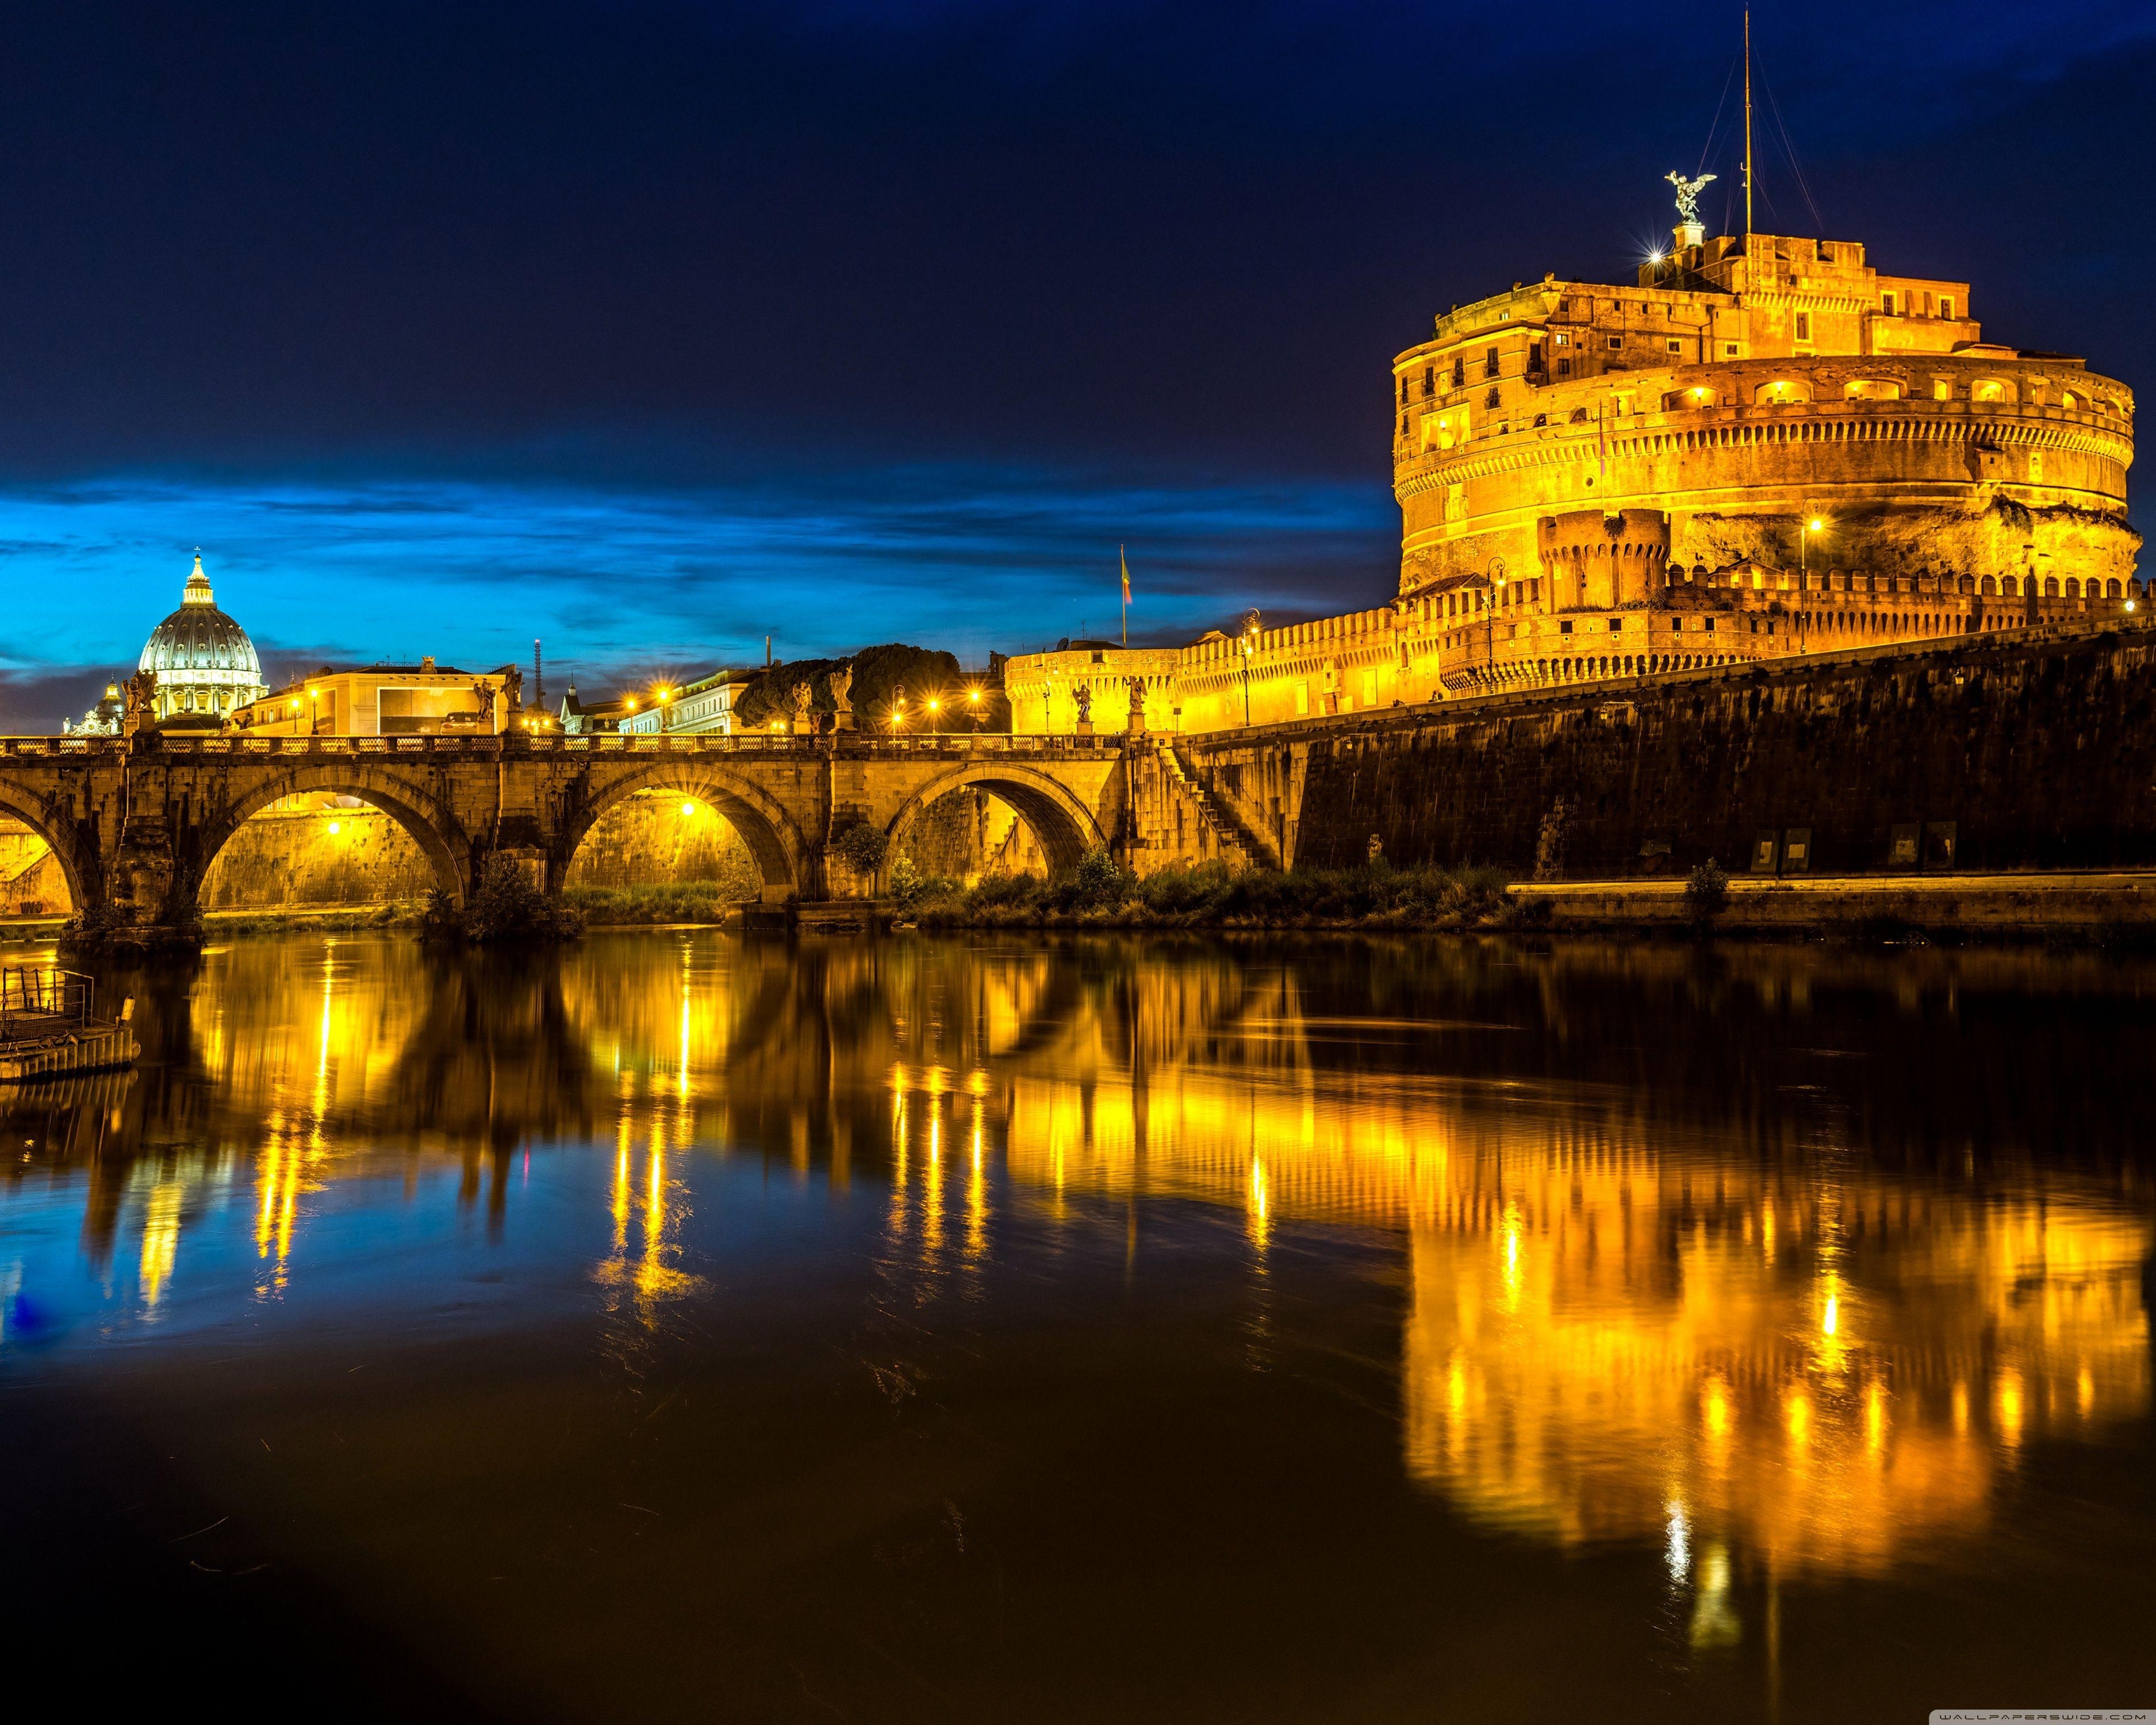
(1747, 146)
(1123, 558)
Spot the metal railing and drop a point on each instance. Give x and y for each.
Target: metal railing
(37, 1000)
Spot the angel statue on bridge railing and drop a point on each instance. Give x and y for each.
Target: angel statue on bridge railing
(802, 695)
(842, 697)
(140, 694)
(1688, 196)
(1085, 698)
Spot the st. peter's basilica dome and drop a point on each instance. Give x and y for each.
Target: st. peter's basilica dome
(204, 663)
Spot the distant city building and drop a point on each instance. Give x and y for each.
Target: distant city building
(102, 719)
(419, 700)
(1763, 447)
(204, 662)
(704, 705)
(580, 718)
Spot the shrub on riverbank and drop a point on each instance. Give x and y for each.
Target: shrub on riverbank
(506, 905)
(1099, 893)
(658, 902)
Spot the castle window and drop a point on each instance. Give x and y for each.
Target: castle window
(1677, 625)
(1490, 364)
(1946, 306)
(1564, 368)
(2069, 399)
(1616, 342)
(1429, 383)
(1491, 399)
(1460, 371)
(1541, 420)
(1803, 325)
(1404, 388)
(1873, 389)
(1562, 339)
(2110, 589)
(1578, 416)
(1886, 302)
(1564, 628)
(1675, 344)
(1616, 623)
(1990, 389)
(1942, 389)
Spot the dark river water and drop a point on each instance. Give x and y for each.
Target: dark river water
(1136, 1330)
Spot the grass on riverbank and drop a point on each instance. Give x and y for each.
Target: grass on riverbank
(308, 919)
(657, 901)
(1098, 894)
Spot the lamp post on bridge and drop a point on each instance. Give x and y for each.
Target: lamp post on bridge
(1495, 573)
(1248, 643)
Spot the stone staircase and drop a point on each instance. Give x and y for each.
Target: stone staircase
(1238, 846)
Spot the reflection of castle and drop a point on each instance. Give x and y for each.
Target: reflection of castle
(1762, 447)
(1604, 1342)
(1804, 1355)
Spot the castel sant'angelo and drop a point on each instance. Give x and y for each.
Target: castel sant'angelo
(1762, 446)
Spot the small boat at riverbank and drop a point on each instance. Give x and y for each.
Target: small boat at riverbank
(49, 1029)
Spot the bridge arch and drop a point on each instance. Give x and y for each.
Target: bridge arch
(1065, 826)
(80, 866)
(773, 840)
(413, 807)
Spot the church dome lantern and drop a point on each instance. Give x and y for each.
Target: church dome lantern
(204, 662)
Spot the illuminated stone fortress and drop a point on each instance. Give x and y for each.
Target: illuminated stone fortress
(1763, 446)
(1752, 451)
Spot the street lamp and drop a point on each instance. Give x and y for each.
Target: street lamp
(973, 702)
(935, 709)
(1496, 575)
(1249, 646)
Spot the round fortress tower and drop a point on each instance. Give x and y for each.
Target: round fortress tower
(1790, 409)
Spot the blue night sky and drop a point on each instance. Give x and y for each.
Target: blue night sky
(650, 329)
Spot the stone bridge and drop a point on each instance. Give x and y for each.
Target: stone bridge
(134, 823)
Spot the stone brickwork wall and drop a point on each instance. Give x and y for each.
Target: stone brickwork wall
(663, 836)
(31, 881)
(2016, 753)
(287, 858)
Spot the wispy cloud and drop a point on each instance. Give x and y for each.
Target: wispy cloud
(618, 581)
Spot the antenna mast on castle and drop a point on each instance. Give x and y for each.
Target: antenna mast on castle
(1748, 142)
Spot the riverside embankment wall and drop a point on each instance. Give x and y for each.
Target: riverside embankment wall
(2014, 752)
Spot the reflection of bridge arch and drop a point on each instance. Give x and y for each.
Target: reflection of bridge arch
(433, 827)
(1064, 827)
(765, 827)
(79, 864)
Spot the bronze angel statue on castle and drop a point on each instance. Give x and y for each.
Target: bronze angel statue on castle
(1688, 196)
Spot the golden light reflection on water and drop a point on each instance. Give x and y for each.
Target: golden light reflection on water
(1829, 1369)
(1607, 1333)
